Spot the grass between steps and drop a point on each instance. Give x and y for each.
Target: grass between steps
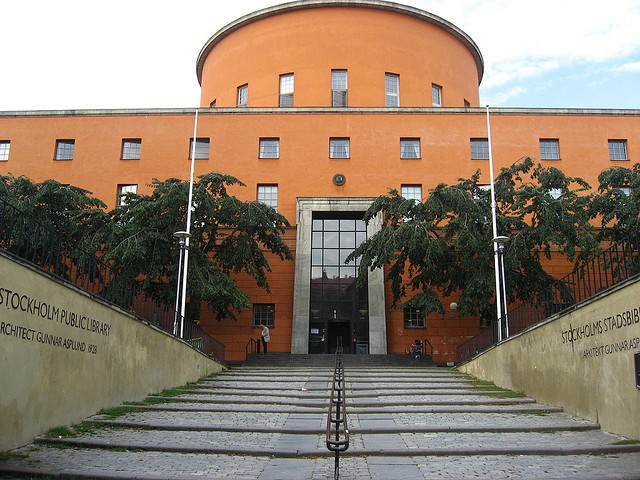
(489, 388)
(114, 412)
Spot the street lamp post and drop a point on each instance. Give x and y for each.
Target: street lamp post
(500, 242)
(182, 237)
(494, 225)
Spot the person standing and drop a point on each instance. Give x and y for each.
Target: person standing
(265, 338)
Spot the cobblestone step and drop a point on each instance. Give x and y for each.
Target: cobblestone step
(304, 444)
(359, 423)
(117, 465)
(401, 408)
(268, 423)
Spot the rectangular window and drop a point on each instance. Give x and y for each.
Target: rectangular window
(339, 148)
(392, 89)
(409, 148)
(64, 149)
(436, 95)
(264, 314)
(549, 149)
(202, 148)
(123, 190)
(338, 88)
(269, 148)
(479, 149)
(5, 146)
(618, 150)
(268, 194)
(411, 192)
(131, 148)
(243, 95)
(413, 318)
(286, 90)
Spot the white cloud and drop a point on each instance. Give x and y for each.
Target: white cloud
(503, 96)
(522, 39)
(629, 67)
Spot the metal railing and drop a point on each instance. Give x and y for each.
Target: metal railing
(40, 246)
(252, 346)
(619, 262)
(337, 435)
(427, 348)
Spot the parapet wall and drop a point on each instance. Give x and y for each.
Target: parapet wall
(582, 361)
(65, 355)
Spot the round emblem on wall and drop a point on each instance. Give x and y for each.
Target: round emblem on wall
(339, 179)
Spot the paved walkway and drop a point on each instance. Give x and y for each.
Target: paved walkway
(268, 423)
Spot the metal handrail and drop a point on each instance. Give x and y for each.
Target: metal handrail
(252, 346)
(617, 263)
(337, 435)
(41, 246)
(424, 343)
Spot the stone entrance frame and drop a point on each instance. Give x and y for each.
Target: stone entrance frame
(302, 279)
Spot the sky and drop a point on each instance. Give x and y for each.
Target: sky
(82, 54)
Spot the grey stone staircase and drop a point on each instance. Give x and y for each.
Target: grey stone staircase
(268, 422)
(350, 360)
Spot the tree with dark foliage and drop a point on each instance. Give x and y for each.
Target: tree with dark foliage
(228, 236)
(443, 245)
(617, 204)
(53, 225)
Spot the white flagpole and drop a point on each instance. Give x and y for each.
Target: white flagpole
(494, 218)
(188, 226)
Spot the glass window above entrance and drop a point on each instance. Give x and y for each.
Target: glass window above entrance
(338, 307)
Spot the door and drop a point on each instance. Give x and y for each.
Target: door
(339, 330)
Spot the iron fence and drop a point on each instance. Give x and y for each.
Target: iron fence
(617, 263)
(41, 246)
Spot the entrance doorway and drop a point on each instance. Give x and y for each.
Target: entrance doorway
(339, 330)
(338, 306)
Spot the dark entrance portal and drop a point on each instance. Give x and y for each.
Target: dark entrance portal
(339, 330)
(338, 307)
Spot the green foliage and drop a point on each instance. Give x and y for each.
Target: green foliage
(228, 236)
(54, 225)
(71, 212)
(114, 412)
(72, 431)
(444, 244)
(617, 204)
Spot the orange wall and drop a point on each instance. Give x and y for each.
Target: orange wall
(305, 170)
(365, 41)
(98, 143)
(236, 334)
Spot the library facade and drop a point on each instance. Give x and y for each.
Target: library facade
(318, 107)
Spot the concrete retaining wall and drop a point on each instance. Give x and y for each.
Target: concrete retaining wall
(64, 355)
(582, 361)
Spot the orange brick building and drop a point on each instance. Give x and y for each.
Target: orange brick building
(318, 107)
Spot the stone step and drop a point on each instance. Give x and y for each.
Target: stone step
(518, 408)
(270, 422)
(329, 360)
(360, 422)
(85, 463)
(296, 444)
